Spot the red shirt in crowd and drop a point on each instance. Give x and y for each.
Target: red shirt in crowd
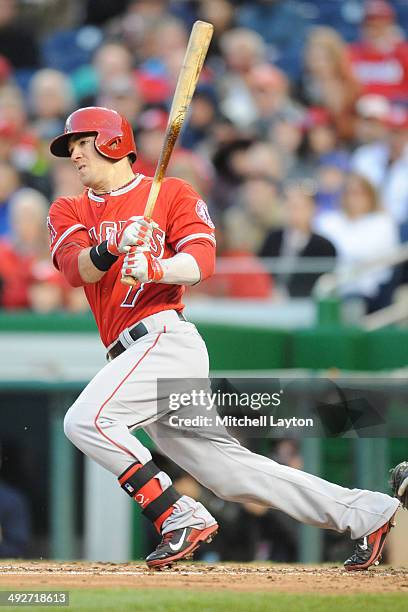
(253, 282)
(381, 72)
(15, 277)
(19, 271)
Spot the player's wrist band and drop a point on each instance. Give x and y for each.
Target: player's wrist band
(101, 258)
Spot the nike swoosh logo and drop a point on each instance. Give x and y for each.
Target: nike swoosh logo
(365, 545)
(176, 547)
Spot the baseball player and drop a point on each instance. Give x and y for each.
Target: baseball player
(147, 336)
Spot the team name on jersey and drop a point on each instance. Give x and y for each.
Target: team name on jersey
(387, 71)
(106, 227)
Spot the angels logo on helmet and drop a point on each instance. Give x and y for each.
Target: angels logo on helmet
(202, 212)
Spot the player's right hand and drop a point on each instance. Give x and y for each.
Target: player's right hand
(137, 231)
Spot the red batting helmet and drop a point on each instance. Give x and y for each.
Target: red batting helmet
(114, 134)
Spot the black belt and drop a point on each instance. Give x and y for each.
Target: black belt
(136, 332)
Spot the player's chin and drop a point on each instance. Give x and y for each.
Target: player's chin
(85, 177)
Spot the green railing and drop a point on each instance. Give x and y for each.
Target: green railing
(327, 345)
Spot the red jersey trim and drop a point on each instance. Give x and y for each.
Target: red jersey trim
(126, 450)
(65, 235)
(194, 237)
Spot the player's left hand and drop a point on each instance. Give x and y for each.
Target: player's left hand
(142, 266)
(137, 232)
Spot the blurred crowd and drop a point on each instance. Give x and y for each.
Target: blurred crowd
(297, 136)
(15, 515)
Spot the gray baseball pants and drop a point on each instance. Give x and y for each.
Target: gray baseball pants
(122, 397)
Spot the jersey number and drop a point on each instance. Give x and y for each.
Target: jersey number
(157, 250)
(132, 295)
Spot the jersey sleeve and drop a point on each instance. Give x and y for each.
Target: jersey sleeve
(189, 219)
(190, 228)
(65, 228)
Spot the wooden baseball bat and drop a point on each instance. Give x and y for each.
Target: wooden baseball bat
(194, 57)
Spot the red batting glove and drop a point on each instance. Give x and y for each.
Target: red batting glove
(137, 231)
(142, 266)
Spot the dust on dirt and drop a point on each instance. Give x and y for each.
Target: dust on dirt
(198, 576)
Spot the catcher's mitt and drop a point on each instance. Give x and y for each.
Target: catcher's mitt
(399, 482)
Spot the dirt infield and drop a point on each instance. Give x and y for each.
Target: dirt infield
(197, 576)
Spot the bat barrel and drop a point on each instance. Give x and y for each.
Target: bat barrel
(194, 57)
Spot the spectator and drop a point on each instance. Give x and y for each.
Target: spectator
(169, 44)
(243, 116)
(153, 90)
(402, 270)
(263, 159)
(330, 175)
(242, 49)
(12, 107)
(327, 80)
(320, 135)
(135, 27)
(229, 161)
(385, 164)
(28, 277)
(150, 136)
(287, 136)
(278, 533)
(111, 61)
(202, 114)
(269, 89)
(380, 58)
(372, 110)
(51, 99)
(258, 209)
(6, 71)
(193, 168)
(17, 40)
(222, 133)
(123, 95)
(98, 13)
(281, 26)
(64, 179)
(241, 274)
(15, 521)
(184, 163)
(152, 8)
(221, 14)
(362, 232)
(323, 159)
(9, 183)
(297, 240)
(18, 145)
(75, 300)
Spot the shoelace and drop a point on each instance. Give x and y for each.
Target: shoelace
(166, 539)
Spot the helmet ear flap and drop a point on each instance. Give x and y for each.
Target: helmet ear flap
(116, 140)
(110, 147)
